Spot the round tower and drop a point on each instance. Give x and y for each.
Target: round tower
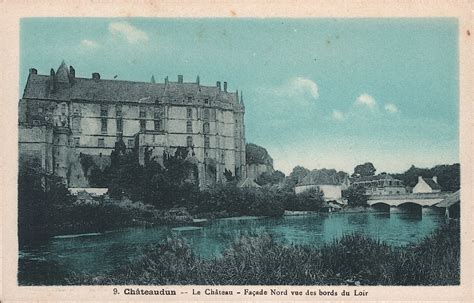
(60, 151)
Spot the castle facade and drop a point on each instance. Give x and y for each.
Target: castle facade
(64, 118)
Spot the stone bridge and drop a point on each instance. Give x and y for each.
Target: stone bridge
(423, 200)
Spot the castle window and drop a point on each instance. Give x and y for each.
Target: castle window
(103, 124)
(190, 100)
(76, 123)
(118, 110)
(103, 111)
(189, 141)
(130, 142)
(100, 142)
(206, 128)
(206, 101)
(158, 113)
(63, 108)
(189, 127)
(76, 141)
(142, 125)
(206, 114)
(119, 125)
(142, 112)
(40, 110)
(189, 113)
(206, 142)
(157, 125)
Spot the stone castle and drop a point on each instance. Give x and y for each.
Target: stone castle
(64, 118)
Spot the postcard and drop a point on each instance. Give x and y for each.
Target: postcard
(237, 151)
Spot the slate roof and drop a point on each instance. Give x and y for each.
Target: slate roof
(38, 87)
(319, 177)
(432, 183)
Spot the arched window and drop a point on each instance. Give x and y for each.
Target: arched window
(206, 128)
(189, 127)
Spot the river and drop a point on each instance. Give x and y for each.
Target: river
(98, 253)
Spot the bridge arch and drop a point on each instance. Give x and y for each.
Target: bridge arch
(411, 207)
(381, 206)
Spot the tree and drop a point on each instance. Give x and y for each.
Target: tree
(298, 173)
(228, 175)
(364, 170)
(448, 176)
(355, 196)
(41, 198)
(270, 178)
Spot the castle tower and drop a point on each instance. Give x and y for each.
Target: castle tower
(60, 151)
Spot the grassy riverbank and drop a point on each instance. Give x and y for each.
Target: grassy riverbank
(253, 260)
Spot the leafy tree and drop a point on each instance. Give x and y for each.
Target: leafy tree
(267, 178)
(298, 173)
(41, 198)
(355, 196)
(228, 175)
(448, 176)
(257, 155)
(364, 170)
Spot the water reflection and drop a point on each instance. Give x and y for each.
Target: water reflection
(105, 252)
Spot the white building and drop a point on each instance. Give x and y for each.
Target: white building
(427, 185)
(329, 185)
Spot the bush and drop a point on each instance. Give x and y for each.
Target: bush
(260, 260)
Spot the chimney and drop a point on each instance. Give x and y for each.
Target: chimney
(72, 72)
(435, 178)
(180, 78)
(33, 71)
(225, 86)
(166, 80)
(96, 76)
(218, 84)
(197, 80)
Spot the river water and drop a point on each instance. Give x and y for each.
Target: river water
(98, 253)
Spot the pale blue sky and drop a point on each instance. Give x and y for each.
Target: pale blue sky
(329, 93)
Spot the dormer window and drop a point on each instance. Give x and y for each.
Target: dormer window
(206, 101)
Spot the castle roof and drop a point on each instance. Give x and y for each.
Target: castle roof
(38, 87)
(62, 74)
